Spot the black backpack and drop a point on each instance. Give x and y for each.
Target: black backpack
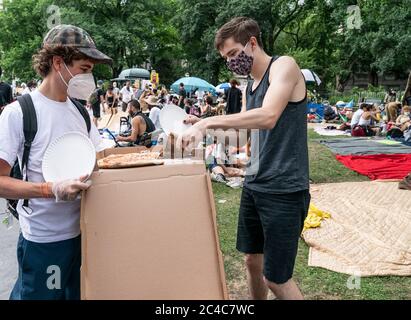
(30, 130)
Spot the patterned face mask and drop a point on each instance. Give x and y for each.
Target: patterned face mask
(241, 64)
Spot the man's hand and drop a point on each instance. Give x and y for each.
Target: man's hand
(192, 120)
(190, 139)
(68, 190)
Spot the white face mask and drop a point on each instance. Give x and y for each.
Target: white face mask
(80, 86)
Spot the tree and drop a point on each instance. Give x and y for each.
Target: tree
(132, 33)
(23, 25)
(200, 20)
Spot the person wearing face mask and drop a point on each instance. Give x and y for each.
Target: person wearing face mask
(275, 197)
(50, 231)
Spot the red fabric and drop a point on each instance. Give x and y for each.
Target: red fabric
(379, 166)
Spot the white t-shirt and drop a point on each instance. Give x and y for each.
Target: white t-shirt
(25, 91)
(356, 117)
(49, 221)
(127, 94)
(155, 117)
(364, 122)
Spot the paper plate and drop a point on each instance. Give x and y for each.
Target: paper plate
(3, 205)
(171, 119)
(69, 157)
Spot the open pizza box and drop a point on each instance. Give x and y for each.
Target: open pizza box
(151, 233)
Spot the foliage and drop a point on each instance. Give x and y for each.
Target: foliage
(175, 37)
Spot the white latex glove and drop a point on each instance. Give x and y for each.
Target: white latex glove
(69, 190)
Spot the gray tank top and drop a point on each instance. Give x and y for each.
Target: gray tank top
(279, 157)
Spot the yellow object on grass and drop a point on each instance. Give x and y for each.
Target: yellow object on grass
(314, 217)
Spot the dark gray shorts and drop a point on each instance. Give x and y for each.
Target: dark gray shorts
(271, 224)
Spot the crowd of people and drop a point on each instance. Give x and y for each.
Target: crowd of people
(391, 118)
(144, 104)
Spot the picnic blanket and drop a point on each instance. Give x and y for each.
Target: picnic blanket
(334, 132)
(369, 232)
(365, 146)
(379, 166)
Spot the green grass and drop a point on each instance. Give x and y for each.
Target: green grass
(315, 283)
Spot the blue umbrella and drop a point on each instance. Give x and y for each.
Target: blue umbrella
(192, 83)
(223, 86)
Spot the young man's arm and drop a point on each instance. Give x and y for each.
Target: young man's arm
(17, 189)
(283, 81)
(11, 125)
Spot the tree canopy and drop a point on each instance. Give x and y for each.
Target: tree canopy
(175, 37)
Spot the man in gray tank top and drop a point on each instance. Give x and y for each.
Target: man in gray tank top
(275, 198)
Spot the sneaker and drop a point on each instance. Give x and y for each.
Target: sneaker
(235, 184)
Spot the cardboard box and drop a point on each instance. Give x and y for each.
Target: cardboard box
(151, 233)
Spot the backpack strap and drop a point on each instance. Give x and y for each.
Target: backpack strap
(30, 130)
(83, 112)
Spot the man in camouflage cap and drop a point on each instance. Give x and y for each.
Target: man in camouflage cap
(49, 247)
(74, 37)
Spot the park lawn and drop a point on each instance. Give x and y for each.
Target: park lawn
(315, 283)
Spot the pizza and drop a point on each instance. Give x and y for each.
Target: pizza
(130, 160)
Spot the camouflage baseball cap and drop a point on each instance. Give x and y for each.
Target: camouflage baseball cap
(72, 36)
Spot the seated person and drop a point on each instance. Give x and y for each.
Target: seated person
(404, 116)
(376, 115)
(220, 170)
(396, 129)
(329, 113)
(208, 110)
(357, 115)
(194, 110)
(140, 124)
(367, 119)
(361, 122)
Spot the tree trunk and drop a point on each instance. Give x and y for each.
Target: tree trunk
(373, 78)
(116, 71)
(340, 83)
